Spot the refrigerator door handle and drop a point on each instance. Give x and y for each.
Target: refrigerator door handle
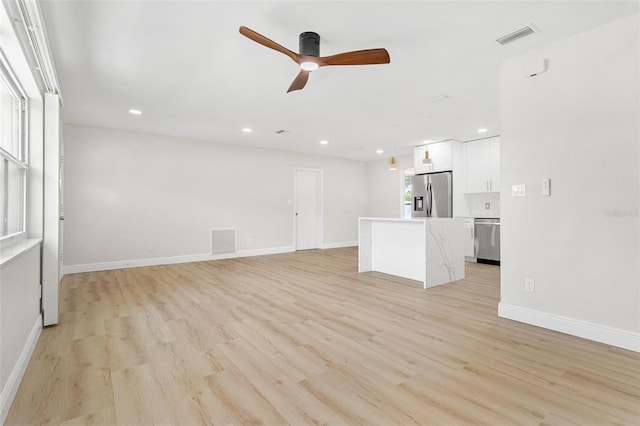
(429, 199)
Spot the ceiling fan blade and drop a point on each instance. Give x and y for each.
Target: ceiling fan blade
(300, 81)
(259, 38)
(357, 57)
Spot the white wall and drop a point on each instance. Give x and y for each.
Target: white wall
(578, 124)
(20, 322)
(385, 189)
(138, 196)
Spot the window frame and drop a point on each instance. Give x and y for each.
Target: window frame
(406, 175)
(19, 159)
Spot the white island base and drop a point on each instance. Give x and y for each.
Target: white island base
(430, 250)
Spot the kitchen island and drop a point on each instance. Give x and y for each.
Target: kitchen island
(430, 250)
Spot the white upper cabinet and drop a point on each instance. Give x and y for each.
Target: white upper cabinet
(495, 164)
(482, 159)
(440, 154)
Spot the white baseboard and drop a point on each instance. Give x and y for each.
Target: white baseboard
(136, 263)
(339, 245)
(588, 330)
(10, 388)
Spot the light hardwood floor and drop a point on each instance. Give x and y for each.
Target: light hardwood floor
(302, 338)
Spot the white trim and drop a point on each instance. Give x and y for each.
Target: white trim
(13, 382)
(575, 327)
(10, 252)
(339, 245)
(136, 263)
(35, 30)
(52, 236)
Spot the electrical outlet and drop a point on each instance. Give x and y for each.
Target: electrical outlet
(529, 285)
(487, 206)
(518, 190)
(248, 240)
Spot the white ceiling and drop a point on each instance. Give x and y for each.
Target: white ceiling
(184, 64)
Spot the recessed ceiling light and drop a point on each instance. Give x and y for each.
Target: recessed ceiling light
(324, 142)
(428, 141)
(379, 151)
(482, 130)
(246, 130)
(135, 111)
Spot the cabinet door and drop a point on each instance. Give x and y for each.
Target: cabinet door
(440, 153)
(469, 238)
(418, 155)
(478, 159)
(495, 164)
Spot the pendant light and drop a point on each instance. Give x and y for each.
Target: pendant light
(392, 162)
(426, 159)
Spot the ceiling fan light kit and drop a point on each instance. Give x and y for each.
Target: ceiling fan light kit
(309, 58)
(309, 66)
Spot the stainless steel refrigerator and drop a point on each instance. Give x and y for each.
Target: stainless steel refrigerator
(432, 195)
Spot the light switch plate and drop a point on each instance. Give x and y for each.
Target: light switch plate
(518, 190)
(529, 285)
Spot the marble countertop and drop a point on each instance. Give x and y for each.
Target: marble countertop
(411, 219)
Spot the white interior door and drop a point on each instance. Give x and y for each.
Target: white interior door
(61, 210)
(51, 245)
(308, 208)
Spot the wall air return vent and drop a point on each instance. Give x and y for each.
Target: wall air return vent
(516, 35)
(223, 241)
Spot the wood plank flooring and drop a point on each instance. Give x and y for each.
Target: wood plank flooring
(302, 338)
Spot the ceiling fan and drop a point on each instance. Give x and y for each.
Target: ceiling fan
(309, 58)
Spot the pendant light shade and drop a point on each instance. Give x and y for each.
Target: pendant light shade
(426, 159)
(392, 164)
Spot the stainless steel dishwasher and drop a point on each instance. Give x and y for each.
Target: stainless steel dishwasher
(488, 240)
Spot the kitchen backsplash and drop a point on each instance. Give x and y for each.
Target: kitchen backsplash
(477, 204)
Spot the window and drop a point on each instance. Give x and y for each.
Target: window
(13, 155)
(407, 198)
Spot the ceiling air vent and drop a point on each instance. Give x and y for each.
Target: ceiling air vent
(522, 32)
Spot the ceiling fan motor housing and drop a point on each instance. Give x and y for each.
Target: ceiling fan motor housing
(309, 44)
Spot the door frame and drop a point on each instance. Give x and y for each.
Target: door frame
(52, 249)
(320, 229)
